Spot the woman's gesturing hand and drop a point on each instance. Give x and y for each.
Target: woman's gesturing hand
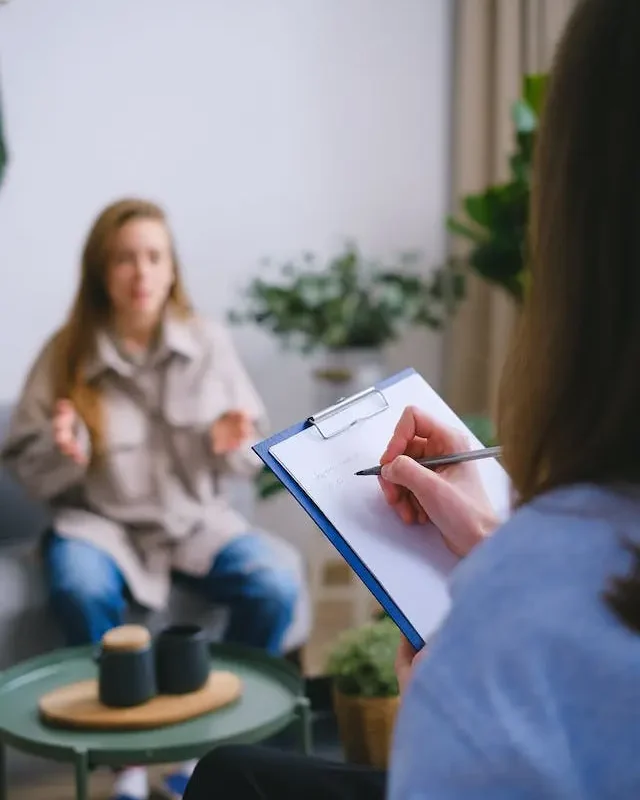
(231, 431)
(65, 423)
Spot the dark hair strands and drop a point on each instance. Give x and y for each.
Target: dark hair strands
(569, 406)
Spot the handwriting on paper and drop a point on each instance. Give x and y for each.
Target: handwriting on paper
(337, 473)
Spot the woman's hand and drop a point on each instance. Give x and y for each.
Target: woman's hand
(406, 659)
(65, 423)
(453, 497)
(231, 431)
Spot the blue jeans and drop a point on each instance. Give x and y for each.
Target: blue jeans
(89, 594)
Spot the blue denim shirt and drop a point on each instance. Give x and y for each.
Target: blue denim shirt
(531, 689)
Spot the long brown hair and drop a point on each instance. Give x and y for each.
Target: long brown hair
(91, 309)
(570, 396)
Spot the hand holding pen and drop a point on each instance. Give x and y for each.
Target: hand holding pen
(453, 498)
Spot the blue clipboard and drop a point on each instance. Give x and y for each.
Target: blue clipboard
(332, 534)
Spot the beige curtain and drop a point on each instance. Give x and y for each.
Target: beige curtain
(495, 43)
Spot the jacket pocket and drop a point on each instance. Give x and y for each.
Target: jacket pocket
(195, 404)
(127, 472)
(189, 416)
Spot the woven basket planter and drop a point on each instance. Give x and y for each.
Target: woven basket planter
(366, 727)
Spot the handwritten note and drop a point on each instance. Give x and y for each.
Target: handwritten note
(412, 563)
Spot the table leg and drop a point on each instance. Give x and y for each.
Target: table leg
(81, 765)
(304, 725)
(3, 771)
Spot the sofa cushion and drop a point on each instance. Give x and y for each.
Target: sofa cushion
(21, 518)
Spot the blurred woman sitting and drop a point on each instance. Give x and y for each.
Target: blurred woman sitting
(128, 420)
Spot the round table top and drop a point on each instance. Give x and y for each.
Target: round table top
(272, 693)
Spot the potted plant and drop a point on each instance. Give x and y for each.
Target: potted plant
(347, 310)
(365, 690)
(496, 219)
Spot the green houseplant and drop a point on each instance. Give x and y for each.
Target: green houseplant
(495, 220)
(347, 302)
(347, 309)
(365, 690)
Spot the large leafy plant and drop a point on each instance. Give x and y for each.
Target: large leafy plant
(495, 220)
(348, 302)
(361, 661)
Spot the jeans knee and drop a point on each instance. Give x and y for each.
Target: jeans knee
(274, 591)
(80, 591)
(82, 575)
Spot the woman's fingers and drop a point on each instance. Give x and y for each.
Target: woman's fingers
(241, 425)
(63, 406)
(231, 430)
(62, 432)
(390, 490)
(417, 434)
(74, 452)
(420, 513)
(404, 503)
(68, 446)
(405, 658)
(412, 423)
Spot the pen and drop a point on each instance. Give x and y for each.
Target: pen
(443, 461)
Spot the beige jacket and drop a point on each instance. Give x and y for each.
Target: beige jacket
(154, 502)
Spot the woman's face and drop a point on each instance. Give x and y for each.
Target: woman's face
(140, 270)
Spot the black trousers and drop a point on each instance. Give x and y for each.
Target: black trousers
(261, 773)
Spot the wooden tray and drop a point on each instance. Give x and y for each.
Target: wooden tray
(77, 706)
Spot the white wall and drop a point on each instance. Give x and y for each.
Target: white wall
(264, 126)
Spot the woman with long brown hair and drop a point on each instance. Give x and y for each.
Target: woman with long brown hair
(531, 688)
(128, 422)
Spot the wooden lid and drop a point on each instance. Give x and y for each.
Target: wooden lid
(126, 637)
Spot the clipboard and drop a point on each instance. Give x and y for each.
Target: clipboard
(354, 561)
(407, 571)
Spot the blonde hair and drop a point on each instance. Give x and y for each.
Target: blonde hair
(91, 309)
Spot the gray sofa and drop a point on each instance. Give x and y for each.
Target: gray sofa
(27, 627)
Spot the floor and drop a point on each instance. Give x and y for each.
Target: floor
(330, 619)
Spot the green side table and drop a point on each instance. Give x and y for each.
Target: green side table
(273, 698)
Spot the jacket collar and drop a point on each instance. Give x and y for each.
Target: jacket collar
(177, 337)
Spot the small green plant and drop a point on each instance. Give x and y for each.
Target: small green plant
(497, 219)
(481, 427)
(361, 661)
(266, 483)
(349, 302)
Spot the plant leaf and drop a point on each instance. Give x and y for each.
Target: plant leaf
(460, 229)
(478, 207)
(525, 118)
(534, 88)
(362, 659)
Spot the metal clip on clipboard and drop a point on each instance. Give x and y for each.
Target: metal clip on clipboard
(342, 405)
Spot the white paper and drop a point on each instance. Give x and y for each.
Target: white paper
(411, 562)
